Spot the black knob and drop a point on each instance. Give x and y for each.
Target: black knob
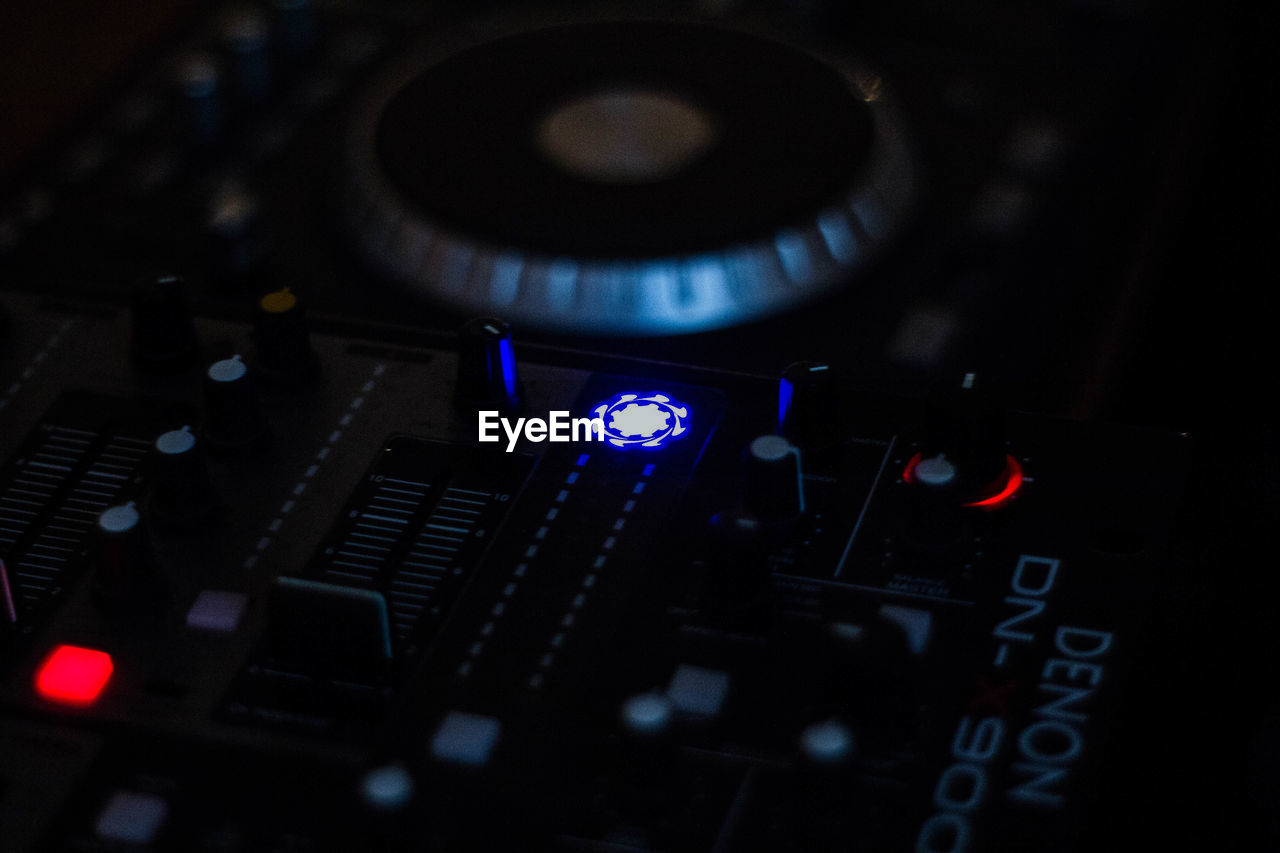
(245, 35)
(487, 365)
(233, 417)
(183, 494)
(739, 592)
(198, 85)
(807, 410)
(163, 335)
(295, 27)
(774, 487)
(122, 557)
(237, 235)
(965, 439)
(283, 340)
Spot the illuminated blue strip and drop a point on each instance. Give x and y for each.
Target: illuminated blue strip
(786, 392)
(507, 357)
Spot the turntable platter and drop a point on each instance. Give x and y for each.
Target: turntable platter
(632, 177)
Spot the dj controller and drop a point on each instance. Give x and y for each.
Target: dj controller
(608, 427)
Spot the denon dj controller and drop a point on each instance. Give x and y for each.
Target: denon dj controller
(593, 429)
(286, 592)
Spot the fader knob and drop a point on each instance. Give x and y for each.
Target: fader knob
(121, 555)
(233, 417)
(282, 339)
(236, 234)
(163, 334)
(487, 365)
(200, 99)
(183, 494)
(806, 404)
(244, 33)
(774, 481)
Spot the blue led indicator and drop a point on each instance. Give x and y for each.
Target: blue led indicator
(507, 357)
(786, 391)
(642, 420)
(648, 469)
(572, 478)
(582, 460)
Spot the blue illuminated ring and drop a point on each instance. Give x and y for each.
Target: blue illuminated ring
(642, 420)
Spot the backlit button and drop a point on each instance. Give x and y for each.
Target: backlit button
(916, 624)
(73, 675)
(387, 788)
(131, 817)
(466, 739)
(827, 743)
(217, 611)
(697, 691)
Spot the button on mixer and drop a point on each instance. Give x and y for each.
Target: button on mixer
(131, 817)
(467, 739)
(697, 691)
(73, 675)
(217, 611)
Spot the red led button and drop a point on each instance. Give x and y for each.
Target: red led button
(73, 675)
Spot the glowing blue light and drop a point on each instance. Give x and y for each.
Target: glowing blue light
(642, 420)
(786, 391)
(507, 357)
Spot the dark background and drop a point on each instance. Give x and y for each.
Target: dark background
(1194, 351)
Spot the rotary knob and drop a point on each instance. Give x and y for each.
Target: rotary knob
(122, 557)
(295, 27)
(774, 488)
(183, 494)
(807, 414)
(739, 582)
(963, 459)
(283, 340)
(200, 99)
(163, 334)
(233, 416)
(487, 365)
(245, 38)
